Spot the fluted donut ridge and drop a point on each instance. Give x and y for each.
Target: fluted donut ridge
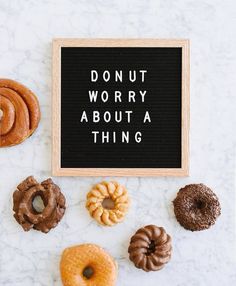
(108, 190)
(150, 248)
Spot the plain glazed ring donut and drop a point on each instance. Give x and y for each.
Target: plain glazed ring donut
(25, 213)
(87, 265)
(20, 112)
(196, 207)
(150, 248)
(96, 203)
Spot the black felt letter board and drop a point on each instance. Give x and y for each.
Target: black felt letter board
(100, 144)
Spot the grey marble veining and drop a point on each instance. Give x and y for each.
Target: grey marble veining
(202, 259)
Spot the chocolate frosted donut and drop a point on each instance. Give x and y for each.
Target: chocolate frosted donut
(25, 213)
(196, 207)
(150, 248)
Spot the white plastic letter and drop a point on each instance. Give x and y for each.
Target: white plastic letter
(94, 75)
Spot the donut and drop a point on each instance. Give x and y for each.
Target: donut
(20, 112)
(150, 248)
(26, 214)
(87, 265)
(196, 207)
(108, 215)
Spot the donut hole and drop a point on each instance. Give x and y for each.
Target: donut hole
(108, 204)
(38, 204)
(200, 204)
(88, 272)
(151, 247)
(1, 114)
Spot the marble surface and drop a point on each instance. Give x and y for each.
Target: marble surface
(204, 258)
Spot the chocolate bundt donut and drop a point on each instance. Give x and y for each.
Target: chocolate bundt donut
(196, 207)
(150, 248)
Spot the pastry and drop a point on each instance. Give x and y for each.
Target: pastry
(20, 112)
(87, 265)
(150, 248)
(196, 207)
(25, 213)
(110, 215)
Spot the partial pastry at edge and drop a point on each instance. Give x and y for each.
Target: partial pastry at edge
(20, 112)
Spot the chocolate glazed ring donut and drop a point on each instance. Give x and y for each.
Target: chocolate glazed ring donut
(150, 248)
(196, 207)
(25, 213)
(20, 112)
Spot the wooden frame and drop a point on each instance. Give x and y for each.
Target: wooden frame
(56, 108)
